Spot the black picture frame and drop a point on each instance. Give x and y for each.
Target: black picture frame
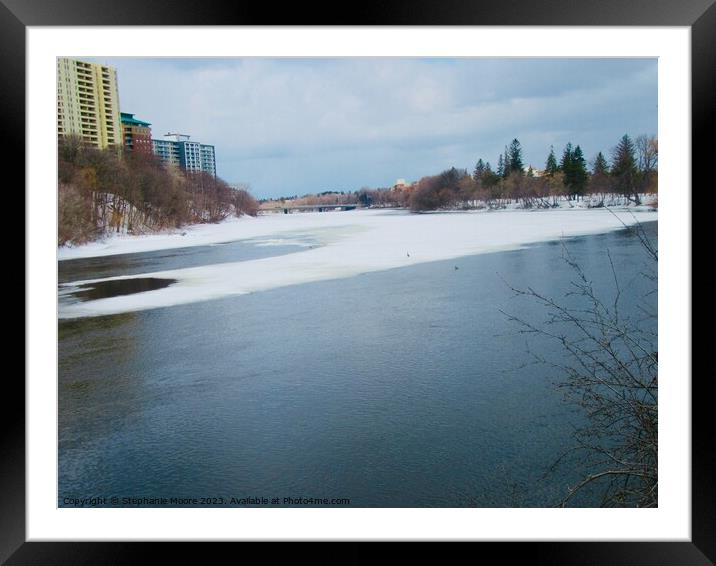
(699, 15)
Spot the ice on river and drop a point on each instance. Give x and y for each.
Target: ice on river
(346, 244)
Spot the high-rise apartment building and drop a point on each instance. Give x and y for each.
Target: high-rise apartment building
(167, 151)
(88, 102)
(190, 155)
(178, 149)
(208, 159)
(136, 134)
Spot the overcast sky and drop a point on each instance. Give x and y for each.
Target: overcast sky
(294, 126)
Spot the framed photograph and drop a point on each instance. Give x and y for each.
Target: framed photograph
(294, 278)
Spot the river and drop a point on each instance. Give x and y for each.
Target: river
(399, 388)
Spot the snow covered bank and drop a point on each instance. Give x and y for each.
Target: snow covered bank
(349, 243)
(247, 227)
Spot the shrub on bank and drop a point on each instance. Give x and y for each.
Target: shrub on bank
(103, 191)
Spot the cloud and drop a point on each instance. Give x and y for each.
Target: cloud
(350, 122)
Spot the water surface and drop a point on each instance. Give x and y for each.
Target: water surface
(402, 388)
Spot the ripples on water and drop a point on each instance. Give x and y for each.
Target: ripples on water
(401, 388)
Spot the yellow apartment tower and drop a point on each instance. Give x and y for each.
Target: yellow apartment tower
(88, 102)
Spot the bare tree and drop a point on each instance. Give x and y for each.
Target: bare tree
(611, 373)
(647, 155)
(74, 216)
(135, 193)
(647, 152)
(426, 195)
(244, 203)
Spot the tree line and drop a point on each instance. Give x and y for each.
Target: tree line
(103, 191)
(325, 197)
(631, 172)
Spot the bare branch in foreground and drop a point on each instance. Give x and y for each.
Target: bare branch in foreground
(610, 371)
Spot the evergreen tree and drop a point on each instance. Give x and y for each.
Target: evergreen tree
(530, 171)
(600, 165)
(500, 167)
(514, 154)
(566, 165)
(479, 170)
(566, 162)
(624, 169)
(506, 166)
(578, 174)
(600, 182)
(551, 167)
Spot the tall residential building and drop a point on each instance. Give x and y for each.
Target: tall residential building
(136, 134)
(178, 149)
(167, 151)
(208, 159)
(88, 102)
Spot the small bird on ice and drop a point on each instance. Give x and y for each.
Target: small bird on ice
(456, 267)
(408, 254)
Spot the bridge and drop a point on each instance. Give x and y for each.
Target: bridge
(288, 208)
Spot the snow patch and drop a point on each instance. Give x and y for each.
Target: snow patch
(349, 243)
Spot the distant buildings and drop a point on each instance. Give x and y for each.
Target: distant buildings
(88, 106)
(535, 172)
(88, 102)
(136, 134)
(403, 185)
(179, 150)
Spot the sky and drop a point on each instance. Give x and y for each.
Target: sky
(293, 126)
